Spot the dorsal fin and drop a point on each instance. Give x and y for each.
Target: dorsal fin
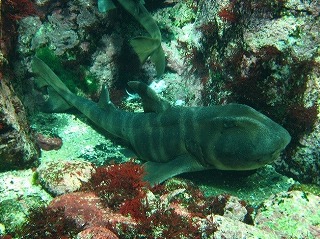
(150, 100)
(104, 101)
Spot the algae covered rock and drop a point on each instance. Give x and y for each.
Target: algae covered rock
(228, 228)
(60, 177)
(96, 232)
(19, 195)
(294, 213)
(17, 145)
(86, 208)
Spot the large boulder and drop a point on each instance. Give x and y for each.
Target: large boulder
(17, 145)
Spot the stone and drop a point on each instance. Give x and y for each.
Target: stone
(290, 213)
(87, 210)
(18, 149)
(97, 233)
(64, 176)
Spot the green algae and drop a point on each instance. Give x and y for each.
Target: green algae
(308, 188)
(175, 17)
(282, 213)
(19, 195)
(14, 212)
(77, 78)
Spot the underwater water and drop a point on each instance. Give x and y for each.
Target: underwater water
(159, 119)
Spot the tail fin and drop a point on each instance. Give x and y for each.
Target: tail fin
(57, 90)
(105, 5)
(145, 47)
(158, 58)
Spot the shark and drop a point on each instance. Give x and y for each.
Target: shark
(173, 139)
(144, 46)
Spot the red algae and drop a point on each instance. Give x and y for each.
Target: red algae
(117, 203)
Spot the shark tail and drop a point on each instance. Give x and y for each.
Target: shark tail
(57, 91)
(149, 47)
(105, 5)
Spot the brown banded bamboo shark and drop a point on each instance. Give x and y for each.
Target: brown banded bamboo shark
(143, 46)
(174, 140)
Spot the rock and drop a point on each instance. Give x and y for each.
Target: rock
(224, 227)
(97, 233)
(19, 194)
(17, 145)
(60, 177)
(235, 209)
(87, 210)
(49, 143)
(290, 213)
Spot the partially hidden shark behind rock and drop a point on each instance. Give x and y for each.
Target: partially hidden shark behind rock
(173, 140)
(144, 46)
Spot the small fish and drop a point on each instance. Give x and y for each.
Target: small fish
(144, 47)
(174, 140)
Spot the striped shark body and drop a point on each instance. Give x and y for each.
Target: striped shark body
(174, 140)
(144, 47)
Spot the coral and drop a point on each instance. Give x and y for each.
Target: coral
(223, 227)
(184, 205)
(274, 8)
(12, 214)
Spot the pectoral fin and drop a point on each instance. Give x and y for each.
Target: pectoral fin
(159, 172)
(196, 151)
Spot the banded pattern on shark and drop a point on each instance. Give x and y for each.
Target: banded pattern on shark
(144, 47)
(173, 140)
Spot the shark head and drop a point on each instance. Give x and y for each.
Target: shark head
(246, 140)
